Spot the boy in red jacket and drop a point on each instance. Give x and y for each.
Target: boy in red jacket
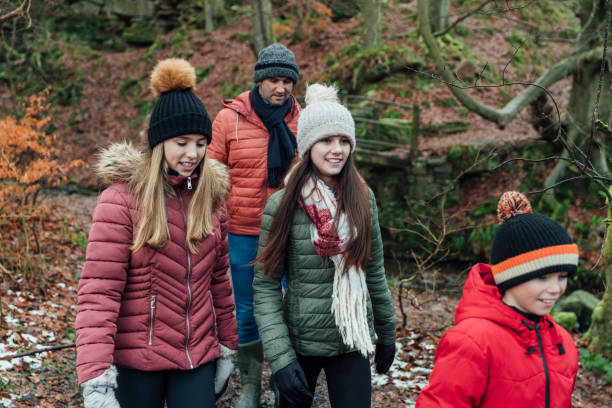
(506, 350)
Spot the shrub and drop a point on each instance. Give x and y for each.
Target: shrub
(29, 162)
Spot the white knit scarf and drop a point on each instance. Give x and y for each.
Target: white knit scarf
(349, 297)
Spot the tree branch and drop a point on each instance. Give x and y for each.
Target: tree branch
(42, 350)
(22, 11)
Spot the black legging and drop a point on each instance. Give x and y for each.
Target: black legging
(349, 380)
(179, 388)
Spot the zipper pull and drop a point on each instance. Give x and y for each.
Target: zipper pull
(152, 301)
(189, 183)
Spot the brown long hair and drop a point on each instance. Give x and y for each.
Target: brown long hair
(353, 200)
(151, 192)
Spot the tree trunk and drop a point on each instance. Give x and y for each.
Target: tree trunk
(262, 34)
(600, 331)
(438, 14)
(371, 21)
(584, 94)
(209, 7)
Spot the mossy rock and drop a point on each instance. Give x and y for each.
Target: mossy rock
(581, 303)
(567, 320)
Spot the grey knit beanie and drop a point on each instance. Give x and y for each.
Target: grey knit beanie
(276, 60)
(323, 116)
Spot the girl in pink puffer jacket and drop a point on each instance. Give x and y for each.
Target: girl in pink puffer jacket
(155, 322)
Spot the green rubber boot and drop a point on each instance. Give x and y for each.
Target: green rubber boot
(250, 360)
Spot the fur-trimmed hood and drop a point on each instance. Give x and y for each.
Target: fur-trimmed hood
(119, 163)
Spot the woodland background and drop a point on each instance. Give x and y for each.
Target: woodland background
(455, 102)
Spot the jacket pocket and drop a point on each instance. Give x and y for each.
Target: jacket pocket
(152, 318)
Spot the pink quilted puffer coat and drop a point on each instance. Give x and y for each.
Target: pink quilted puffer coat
(157, 308)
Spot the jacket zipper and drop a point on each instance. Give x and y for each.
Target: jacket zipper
(151, 317)
(188, 285)
(212, 305)
(189, 187)
(541, 347)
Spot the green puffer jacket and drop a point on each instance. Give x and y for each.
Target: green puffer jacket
(302, 322)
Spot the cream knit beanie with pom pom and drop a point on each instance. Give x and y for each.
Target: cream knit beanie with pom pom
(323, 116)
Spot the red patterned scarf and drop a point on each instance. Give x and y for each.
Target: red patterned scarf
(349, 296)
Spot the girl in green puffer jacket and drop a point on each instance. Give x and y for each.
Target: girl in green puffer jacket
(321, 233)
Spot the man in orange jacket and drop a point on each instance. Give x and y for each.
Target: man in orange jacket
(254, 135)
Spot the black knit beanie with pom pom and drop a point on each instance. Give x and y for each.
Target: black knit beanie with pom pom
(528, 245)
(178, 111)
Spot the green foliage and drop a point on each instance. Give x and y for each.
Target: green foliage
(157, 45)
(462, 31)
(125, 86)
(70, 334)
(141, 33)
(461, 153)
(448, 102)
(597, 363)
(202, 73)
(456, 126)
(455, 48)
(393, 113)
(424, 83)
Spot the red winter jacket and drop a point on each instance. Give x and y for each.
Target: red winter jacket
(157, 308)
(494, 357)
(240, 140)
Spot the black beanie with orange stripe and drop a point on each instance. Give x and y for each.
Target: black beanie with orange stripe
(528, 245)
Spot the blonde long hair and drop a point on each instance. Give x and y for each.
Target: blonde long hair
(151, 192)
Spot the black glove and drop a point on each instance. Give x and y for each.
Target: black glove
(384, 357)
(292, 385)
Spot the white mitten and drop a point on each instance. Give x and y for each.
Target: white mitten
(223, 369)
(99, 392)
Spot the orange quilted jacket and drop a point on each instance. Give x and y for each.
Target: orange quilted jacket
(240, 140)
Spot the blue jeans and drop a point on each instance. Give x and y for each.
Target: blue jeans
(242, 251)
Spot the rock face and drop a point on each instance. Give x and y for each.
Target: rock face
(132, 8)
(582, 304)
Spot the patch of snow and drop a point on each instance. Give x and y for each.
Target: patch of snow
(421, 370)
(12, 321)
(29, 338)
(61, 285)
(15, 308)
(8, 403)
(48, 335)
(37, 312)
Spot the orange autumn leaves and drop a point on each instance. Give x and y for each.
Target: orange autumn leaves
(29, 161)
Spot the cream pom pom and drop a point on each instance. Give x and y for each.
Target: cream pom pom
(321, 93)
(172, 74)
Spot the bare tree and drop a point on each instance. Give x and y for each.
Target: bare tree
(582, 64)
(262, 33)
